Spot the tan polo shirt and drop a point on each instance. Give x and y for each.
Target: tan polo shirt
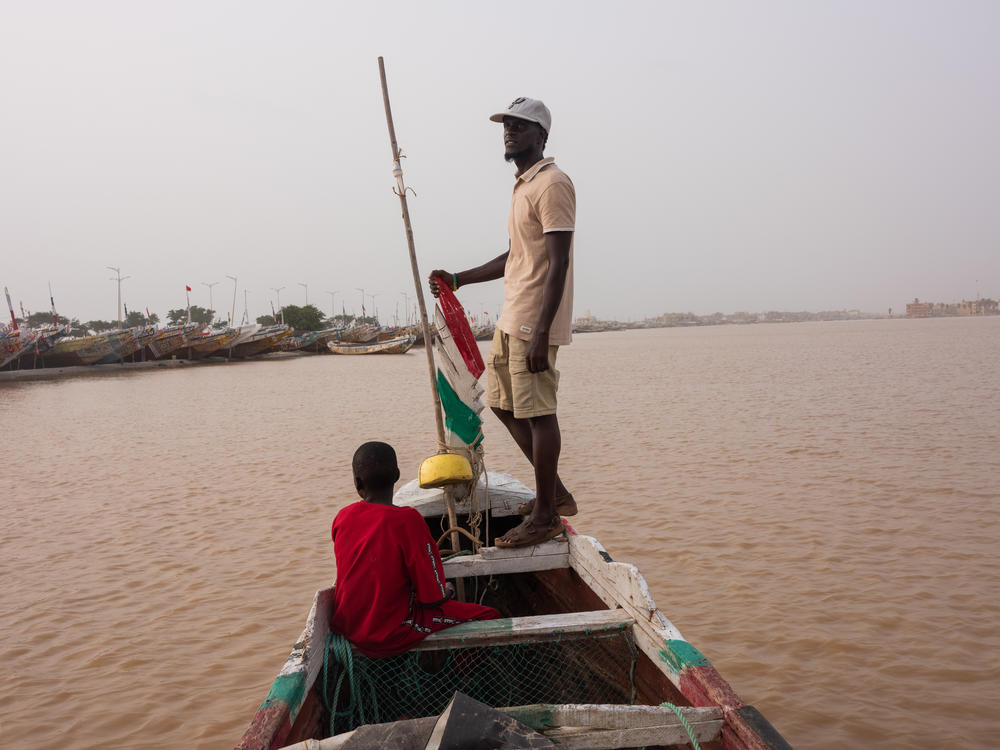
(544, 201)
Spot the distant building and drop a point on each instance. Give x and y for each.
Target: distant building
(918, 309)
(984, 306)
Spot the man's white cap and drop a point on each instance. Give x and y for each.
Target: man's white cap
(531, 110)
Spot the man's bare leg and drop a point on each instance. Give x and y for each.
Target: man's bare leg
(546, 443)
(522, 430)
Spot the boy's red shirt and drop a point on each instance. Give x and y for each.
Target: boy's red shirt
(388, 568)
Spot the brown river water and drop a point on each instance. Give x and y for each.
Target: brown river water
(814, 505)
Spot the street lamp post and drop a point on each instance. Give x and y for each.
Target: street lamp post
(119, 278)
(277, 291)
(362, 300)
(210, 306)
(333, 296)
(406, 306)
(306, 287)
(232, 315)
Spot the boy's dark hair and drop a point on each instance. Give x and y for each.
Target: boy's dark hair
(375, 465)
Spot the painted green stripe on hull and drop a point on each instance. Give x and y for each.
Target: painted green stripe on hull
(289, 689)
(679, 655)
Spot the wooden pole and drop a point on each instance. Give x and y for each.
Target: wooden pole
(397, 171)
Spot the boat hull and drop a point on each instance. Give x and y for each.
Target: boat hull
(171, 339)
(399, 345)
(82, 351)
(557, 581)
(310, 341)
(261, 342)
(14, 344)
(358, 335)
(212, 345)
(124, 344)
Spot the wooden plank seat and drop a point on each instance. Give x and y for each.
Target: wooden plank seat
(574, 727)
(498, 560)
(617, 726)
(534, 628)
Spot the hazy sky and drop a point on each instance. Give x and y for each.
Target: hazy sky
(727, 156)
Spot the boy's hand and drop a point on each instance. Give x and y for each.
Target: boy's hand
(449, 590)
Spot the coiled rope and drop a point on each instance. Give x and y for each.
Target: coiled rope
(340, 648)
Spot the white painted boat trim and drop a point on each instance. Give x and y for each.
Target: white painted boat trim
(505, 494)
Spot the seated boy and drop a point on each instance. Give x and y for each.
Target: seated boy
(390, 589)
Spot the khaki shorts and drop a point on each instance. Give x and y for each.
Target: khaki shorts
(509, 385)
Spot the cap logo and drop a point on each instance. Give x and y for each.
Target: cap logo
(519, 100)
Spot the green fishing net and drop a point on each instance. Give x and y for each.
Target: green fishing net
(596, 667)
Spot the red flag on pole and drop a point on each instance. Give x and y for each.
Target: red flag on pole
(461, 332)
(187, 287)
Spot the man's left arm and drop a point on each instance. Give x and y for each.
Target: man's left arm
(423, 563)
(557, 247)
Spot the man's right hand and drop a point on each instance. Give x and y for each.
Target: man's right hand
(437, 277)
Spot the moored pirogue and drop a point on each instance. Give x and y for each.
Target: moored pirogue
(398, 345)
(260, 341)
(85, 350)
(14, 343)
(582, 655)
(209, 342)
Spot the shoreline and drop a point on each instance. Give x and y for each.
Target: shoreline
(53, 373)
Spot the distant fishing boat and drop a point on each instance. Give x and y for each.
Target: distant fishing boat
(300, 341)
(243, 334)
(399, 345)
(43, 342)
(261, 341)
(85, 350)
(143, 336)
(484, 332)
(308, 340)
(123, 344)
(15, 343)
(358, 334)
(211, 344)
(172, 338)
(47, 337)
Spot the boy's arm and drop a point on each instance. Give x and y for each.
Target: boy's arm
(423, 563)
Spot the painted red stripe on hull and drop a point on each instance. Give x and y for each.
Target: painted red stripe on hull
(268, 730)
(706, 682)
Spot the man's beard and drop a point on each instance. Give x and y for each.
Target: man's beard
(515, 155)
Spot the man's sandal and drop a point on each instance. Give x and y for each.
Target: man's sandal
(529, 533)
(565, 506)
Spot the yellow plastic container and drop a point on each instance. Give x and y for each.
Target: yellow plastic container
(444, 469)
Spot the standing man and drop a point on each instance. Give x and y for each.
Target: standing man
(537, 270)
